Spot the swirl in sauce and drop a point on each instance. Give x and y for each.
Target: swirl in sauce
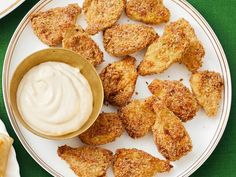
(54, 98)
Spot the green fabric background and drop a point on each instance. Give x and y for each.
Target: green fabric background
(221, 16)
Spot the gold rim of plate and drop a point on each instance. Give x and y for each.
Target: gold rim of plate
(190, 12)
(74, 60)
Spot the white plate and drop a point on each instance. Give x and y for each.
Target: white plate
(205, 132)
(6, 6)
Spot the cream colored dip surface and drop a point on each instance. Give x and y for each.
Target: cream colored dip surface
(54, 98)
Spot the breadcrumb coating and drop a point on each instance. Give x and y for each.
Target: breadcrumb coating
(101, 14)
(119, 80)
(50, 25)
(125, 39)
(138, 117)
(106, 129)
(176, 97)
(148, 11)
(137, 163)
(169, 133)
(86, 161)
(178, 43)
(161, 54)
(77, 40)
(195, 53)
(207, 86)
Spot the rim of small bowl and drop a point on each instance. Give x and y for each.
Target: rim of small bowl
(87, 70)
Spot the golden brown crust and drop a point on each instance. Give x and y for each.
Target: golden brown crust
(137, 163)
(106, 129)
(78, 41)
(147, 11)
(86, 161)
(138, 117)
(207, 86)
(125, 39)
(50, 25)
(193, 56)
(168, 49)
(176, 97)
(102, 14)
(170, 136)
(179, 43)
(119, 80)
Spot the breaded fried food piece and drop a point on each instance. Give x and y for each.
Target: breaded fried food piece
(137, 163)
(86, 161)
(148, 11)
(101, 14)
(176, 97)
(77, 40)
(106, 129)
(138, 117)
(170, 135)
(179, 43)
(119, 80)
(168, 49)
(195, 53)
(50, 25)
(207, 86)
(125, 39)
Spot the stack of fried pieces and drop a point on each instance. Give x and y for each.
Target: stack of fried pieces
(164, 112)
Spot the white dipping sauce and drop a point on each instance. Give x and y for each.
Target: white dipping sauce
(54, 98)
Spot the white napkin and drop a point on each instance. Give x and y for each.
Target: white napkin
(12, 167)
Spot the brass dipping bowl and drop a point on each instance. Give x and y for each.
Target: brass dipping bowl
(68, 57)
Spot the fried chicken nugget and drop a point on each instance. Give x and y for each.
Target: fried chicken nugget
(207, 86)
(86, 161)
(78, 41)
(168, 49)
(125, 39)
(119, 80)
(147, 11)
(176, 97)
(138, 117)
(101, 14)
(137, 163)
(106, 129)
(49, 26)
(195, 53)
(170, 135)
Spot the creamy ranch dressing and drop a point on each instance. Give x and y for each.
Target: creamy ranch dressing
(54, 98)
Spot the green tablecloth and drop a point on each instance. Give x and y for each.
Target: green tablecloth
(221, 15)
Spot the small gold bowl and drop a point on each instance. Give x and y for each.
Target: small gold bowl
(68, 57)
